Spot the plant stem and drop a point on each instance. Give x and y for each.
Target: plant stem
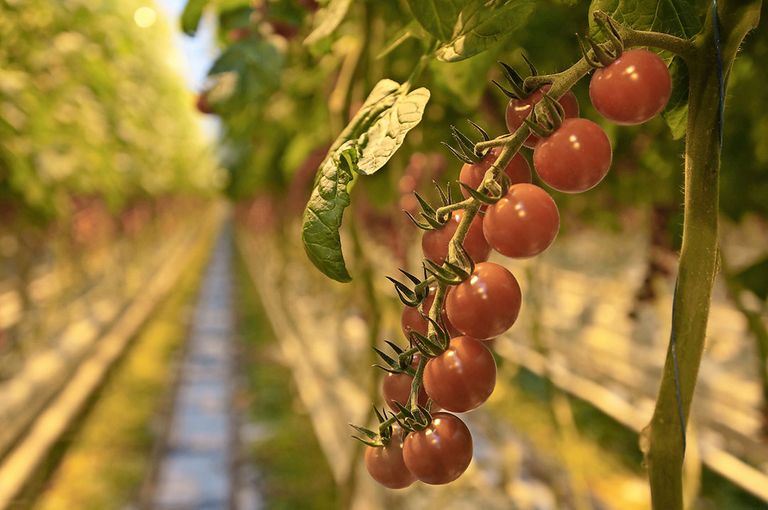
(698, 257)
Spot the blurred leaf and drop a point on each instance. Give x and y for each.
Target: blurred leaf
(327, 20)
(325, 210)
(676, 112)
(190, 17)
(465, 80)
(682, 18)
(413, 29)
(755, 278)
(438, 17)
(482, 24)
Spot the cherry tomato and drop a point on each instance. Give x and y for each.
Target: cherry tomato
(519, 109)
(385, 464)
(486, 304)
(203, 105)
(434, 243)
(462, 377)
(575, 157)
(397, 388)
(440, 453)
(518, 170)
(523, 223)
(633, 89)
(411, 319)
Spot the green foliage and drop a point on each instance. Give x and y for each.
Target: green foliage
(89, 106)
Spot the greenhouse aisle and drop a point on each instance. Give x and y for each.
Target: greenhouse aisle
(195, 467)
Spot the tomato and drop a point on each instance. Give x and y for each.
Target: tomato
(434, 243)
(397, 388)
(203, 105)
(519, 109)
(486, 304)
(523, 223)
(462, 377)
(575, 157)
(633, 89)
(518, 170)
(411, 319)
(386, 465)
(440, 453)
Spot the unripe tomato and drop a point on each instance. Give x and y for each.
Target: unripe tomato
(519, 109)
(518, 170)
(386, 465)
(574, 158)
(440, 453)
(486, 304)
(461, 378)
(523, 223)
(434, 243)
(397, 388)
(411, 319)
(632, 89)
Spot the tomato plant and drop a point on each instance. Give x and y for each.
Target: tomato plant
(434, 243)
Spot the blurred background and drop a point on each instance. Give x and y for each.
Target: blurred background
(165, 343)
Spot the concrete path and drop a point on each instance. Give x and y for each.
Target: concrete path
(197, 469)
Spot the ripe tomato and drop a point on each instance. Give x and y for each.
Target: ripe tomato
(519, 109)
(440, 453)
(411, 319)
(575, 157)
(461, 378)
(434, 243)
(486, 304)
(518, 170)
(633, 89)
(397, 388)
(385, 464)
(523, 223)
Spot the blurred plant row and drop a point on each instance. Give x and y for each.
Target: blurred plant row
(92, 112)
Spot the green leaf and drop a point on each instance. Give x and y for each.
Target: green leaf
(481, 24)
(327, 20)
(438, 17)
(325, 210)
(682, 18)
(373, 136)
(466, 80)
(190, 17)
(387, 133)
(755, 278)
(676, 112)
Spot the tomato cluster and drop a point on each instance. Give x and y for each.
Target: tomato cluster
(570, 154)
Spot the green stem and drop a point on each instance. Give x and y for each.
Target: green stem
(698, 256)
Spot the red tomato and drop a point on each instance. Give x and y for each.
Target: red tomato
(385, 464)
(434, 243)
(440, 453)
(519, 109)
(633, 89)
(486, 304)
(518, 170)
(411, 319)
(574, 158)
(461, 378)
(397, 388)
(523, 223)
